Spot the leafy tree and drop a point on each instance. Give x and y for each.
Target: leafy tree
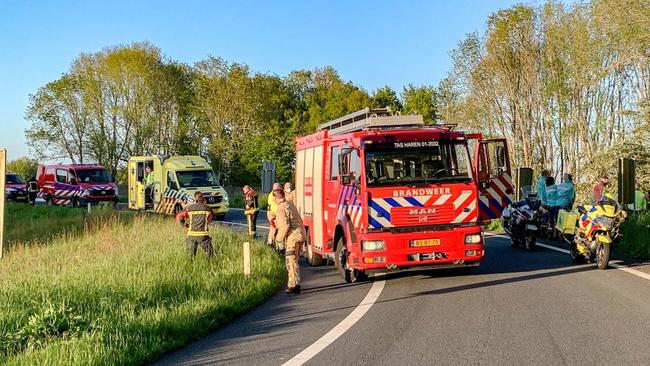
(386, 97)
(25, 167)
(421, 100)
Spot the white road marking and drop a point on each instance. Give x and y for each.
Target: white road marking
(240, 224)
(340, 329)
(615, 264)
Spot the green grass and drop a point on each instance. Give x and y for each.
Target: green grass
(25, 223)
(635, 239)
(123, 293)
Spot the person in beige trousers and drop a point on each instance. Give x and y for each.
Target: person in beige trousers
(291, 231)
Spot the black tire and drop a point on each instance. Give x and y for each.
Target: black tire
(74, 203)
(177, 209)
(314, 259)
(220, 217)
(357, 275)
(340, 260)
(603, 252)
(576, 257)
(49, 201)
(530, 242)
(513, 242)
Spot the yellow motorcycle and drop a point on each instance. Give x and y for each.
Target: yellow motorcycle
(591, 231)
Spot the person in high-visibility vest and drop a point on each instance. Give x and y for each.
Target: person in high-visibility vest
(149, 183)
(196, 218)
(270, 215)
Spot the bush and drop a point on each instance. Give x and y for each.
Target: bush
(123, 293)
(635, 232)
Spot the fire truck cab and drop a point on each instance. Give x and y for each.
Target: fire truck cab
(380, 192)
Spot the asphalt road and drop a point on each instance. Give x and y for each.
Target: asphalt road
(517, 308)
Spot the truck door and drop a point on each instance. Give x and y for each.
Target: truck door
(136, 185)
(494, 177)
(333, 194)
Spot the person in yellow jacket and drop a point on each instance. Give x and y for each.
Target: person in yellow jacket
(292, 231)
(270, 215)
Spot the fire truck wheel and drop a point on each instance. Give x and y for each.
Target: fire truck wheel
(341, 260)
(357, 275)
(49, 201)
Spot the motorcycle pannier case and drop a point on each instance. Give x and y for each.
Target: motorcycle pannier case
(566, 222)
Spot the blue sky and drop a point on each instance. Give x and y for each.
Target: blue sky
(372, 43)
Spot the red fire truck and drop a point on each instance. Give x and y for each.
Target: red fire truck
(381, 192)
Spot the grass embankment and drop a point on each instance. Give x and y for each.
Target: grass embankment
(124, 292)
(635, 239)
(25, 223)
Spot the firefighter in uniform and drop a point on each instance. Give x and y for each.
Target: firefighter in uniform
(289, 193)
(270, 215)
(291, 230)
(251, 208)
(196, 218)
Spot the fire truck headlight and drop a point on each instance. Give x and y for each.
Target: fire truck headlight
(473, 239)
(225, 196)
(372, 245)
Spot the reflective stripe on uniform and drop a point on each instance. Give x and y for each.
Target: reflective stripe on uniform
(204, 232)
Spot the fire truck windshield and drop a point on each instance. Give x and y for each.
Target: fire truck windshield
(93, 176)
(417, 162)
(196, 178)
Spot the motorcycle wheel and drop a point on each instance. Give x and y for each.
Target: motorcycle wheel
(576, 257)
(531, 242)
(602, 255)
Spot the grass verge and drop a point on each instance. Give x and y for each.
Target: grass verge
(30, 224)
(124, 293)
(635, 239)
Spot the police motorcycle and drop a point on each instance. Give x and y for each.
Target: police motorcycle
(591, 231)
(521, 220)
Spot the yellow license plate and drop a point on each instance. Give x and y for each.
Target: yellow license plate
(425, 242)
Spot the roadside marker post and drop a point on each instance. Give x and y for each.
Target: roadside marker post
(3, 167)
(247, 259)
(88, 207)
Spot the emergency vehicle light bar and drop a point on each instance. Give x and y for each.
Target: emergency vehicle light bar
(370, 118)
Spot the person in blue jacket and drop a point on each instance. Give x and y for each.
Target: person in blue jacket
(551, 201)
(566, 193)
(541, 185)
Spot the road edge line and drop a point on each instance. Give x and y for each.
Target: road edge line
(621, 267)
(340, 329)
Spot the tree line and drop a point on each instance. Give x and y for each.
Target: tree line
(131, 100)
(567, 85)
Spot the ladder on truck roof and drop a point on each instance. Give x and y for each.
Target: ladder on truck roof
(367, 118)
